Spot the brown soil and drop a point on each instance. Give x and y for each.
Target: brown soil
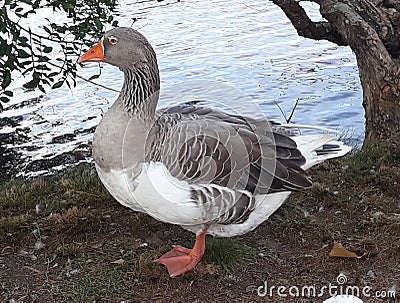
(82, 246)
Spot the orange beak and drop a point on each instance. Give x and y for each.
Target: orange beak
(95, 54)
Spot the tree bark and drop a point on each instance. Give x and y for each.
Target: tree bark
(372, 30)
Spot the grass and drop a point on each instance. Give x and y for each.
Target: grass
(54, 193)
(100, 281)
(96, 250)
(228, 253)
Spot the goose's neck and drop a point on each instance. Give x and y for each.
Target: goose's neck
(140, 91)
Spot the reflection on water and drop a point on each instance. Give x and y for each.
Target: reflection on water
(250, 45)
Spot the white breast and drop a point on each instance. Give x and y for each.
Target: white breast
(154, 191)
(120, 186)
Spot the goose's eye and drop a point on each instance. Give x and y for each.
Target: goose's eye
(113, 40)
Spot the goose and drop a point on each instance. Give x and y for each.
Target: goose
(208, 171)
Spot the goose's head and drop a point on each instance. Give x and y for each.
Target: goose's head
(123, 47)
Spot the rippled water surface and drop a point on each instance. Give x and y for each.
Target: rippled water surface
(250, 45)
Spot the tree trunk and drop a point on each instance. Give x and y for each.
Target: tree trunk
(372, 29)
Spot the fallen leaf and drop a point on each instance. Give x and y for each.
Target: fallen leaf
(339, 251)
(119, 261)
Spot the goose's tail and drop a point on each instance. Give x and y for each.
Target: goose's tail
(317, 148)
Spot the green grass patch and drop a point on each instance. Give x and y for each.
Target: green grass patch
(369, 159)
(100, 281)
(52, 193)
(96, 284)
(62, 200)
(228, 253)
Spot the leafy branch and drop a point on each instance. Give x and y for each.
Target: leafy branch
(32, 53)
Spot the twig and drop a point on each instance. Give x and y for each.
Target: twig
(292, 113)
(282, 112)
(98, 84)
(87, 80)
(43, 37)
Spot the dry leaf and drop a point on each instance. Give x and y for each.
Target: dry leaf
(339, 251)
(119, 261)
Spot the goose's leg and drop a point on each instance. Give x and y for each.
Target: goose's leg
(180, 259)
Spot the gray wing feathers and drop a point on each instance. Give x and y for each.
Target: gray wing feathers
(227, 158)
(223, 206)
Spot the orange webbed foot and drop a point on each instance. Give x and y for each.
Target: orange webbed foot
(181, 259)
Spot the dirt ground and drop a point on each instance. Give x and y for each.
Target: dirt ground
(64, 239)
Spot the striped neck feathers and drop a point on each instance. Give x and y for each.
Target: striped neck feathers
(140, 91)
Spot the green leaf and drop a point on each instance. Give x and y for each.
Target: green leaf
(22, 53)
(4, 99)
(58, 84)
(6, 79)
(51, 75)
(3, 46)
(47, 49)
(98, 24)
(69, 85)
(29, 69)
(24, 63)
(8, 93)
(94, 77)
(45, 81)
(42, 67)
(41, 88)
(10, 63)
(27, 2)
(47, 30)
(43, 59)
(34, 82)
(23, 41)
(36, 4)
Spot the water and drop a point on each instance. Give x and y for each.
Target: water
(249, 44)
